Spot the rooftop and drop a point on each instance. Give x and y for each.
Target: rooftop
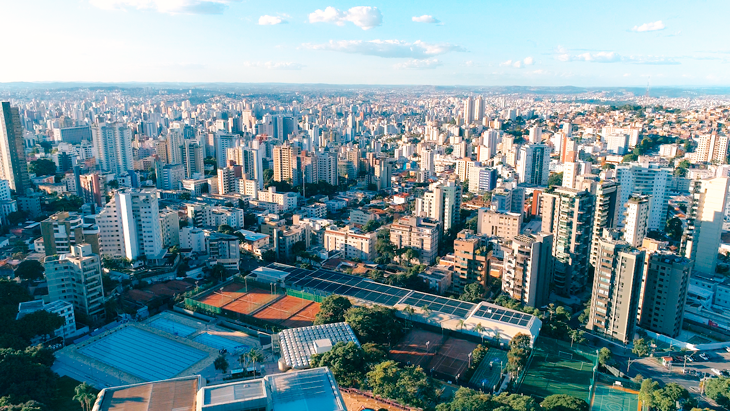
(297, 343)
(177, 394)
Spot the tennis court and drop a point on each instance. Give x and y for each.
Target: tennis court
(452, 358)
(490, 370)
(282, 309)
(143, 354)
(614, 398)
(303, 318)
(228, 293)
(412, 348)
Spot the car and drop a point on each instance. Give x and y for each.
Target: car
(727, 349)
(677, 358)
(704, 356)
(689, 358)
(716, 371)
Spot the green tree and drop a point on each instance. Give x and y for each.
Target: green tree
(269, 256)
(376, 324)
(604, 356)
(641, 347)
(665, 399)
(563, 402)
(348, 362)
(185, 196)
(473, 292)
(39, 323)
(674, 229)
(218, 272)
(225, 229)
(409, 386)
(42, 167)
(646, 394)
(85, 395)
(517, 359)
(6, 405)
(719, 390)
(221, 363)
(23, 378)
(520, 340)
(17, 217)
(332, 310)
(370, 226)
(555, 179)
(682, 168)
(30, 270)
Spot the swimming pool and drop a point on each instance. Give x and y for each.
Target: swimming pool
(143, 354)
(172, 327)
(219, 343)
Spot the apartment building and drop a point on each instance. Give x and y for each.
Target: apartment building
(528, 269)
(77, 278)
(498, 224)
(352, 243)
(419, 233)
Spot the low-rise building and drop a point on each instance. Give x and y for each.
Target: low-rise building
(419, 233)
(352, 243)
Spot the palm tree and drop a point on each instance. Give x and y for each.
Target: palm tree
(479, 328)
(409, 311)
(255, 356)
(243, 360)
(460, 324)
(426, 311)
(85, 396)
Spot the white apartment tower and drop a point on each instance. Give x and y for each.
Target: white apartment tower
(528, 269)
(636, 219)
(77, 278)
(129, 225)
(701, 240)
(651, 180)
(113, 145)
(534, 164)
(711, 148)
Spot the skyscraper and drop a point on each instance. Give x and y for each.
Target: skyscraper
(534, 164)
(327, 168)
(606, 214)
(616, 290)
(468, 110)
(285, 163)
(442, 202)
(637, 217)
(568, 214)
(479, 109)
(129, 225)
(528, 269)
(650, 179)
(13, 166)
(191, 155)
(113, 145)
(701, 240)
(711, 148)
(666, 281)
(76, 277)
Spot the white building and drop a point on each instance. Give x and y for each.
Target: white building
(650, 179)
(533, 166)
(129, 225)
(113, 147)
(637, 219)
(711, 148)
(287, 201)
(170, 226)
(77, 278)
(192, 238)
(701, 240)
(617, 143)
(351, 243)
(63, 308)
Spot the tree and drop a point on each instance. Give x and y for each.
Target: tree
(516, 359)
(269, 256)
(185, 196)
(218, 272)
(17, 217)
(604, 356)
(39, 323)
(520, 341)
(255, 356)
(348, 363)
(376, 324)
(30, 270)
(332, 310)
(563, 402)
(409, 385)
(473, 292)
(666, 398)
(225, 229)
(84, 394)
(674, 229)
(719, 390)
(42, 167)
(370, 226)
(681, 169)
(577, 337)
(646, 394)
(221, 363)
(555, 179)
(641, 347)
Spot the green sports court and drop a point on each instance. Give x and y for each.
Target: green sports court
(614, 398)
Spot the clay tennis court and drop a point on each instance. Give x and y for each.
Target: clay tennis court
(453, 357)
(303, 318)
(230, 293)
(282, 309)
(412, 348)
(252, 301)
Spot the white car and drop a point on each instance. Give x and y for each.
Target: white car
(727, 349)
(716, 371)
(704, 356)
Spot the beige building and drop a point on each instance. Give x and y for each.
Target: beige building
(77, 278)
(528, 269)
(711, 148)
(606, 215)
(666, 281)
(471, 261)
(616, 290)
(636, 219)
(285, 163)
(498, 224)
(422, 234)
(170, 226)
(351, 243)
(701, 240)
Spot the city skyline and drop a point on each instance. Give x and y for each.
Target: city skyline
(473, 43)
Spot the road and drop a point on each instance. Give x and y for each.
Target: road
(651, 367)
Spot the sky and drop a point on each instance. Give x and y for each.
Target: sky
(487, 42)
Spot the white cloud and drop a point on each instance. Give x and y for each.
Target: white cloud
(271, 65)
(166, 6)
(599, 57)
(613, 57)
(365, 17)
(267, 20)
(425, 19)
(419, 64)
(657, 25)
(387, 48)
(528, 61)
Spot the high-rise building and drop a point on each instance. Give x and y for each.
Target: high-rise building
(61, 231)
(568, 215)
(285, 163)
(191, 156)
(701, 240)
(498, 223)
(76, 277)
(533, 166)
(442, 202)
(327, 168)
(113, 145)
(227, 180)
(666, 281)
(175, 140)
(351, 243)
(535, 135)
(169, 176)
(468, 110)
(90, 188)
(482, 179)
(571, 170)
(170, 226)
(224, 141)
(471, 261)
(129, 225)
(528, 269)
(383, 168)
(13, 166)
(711, 148)
(422, 234)
(616, 290)
(617, 143)
(649, 179)
(636, 219)
(606, 214)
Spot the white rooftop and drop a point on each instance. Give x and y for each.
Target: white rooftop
(297, 344)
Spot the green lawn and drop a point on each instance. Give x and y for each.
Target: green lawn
(64, 398)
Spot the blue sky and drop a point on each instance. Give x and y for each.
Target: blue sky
(540, 43)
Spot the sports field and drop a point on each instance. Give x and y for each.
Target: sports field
(288, 307)
(234, 298)
(490, 370)
(448, 357)
(556, 369)
(615, 398)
